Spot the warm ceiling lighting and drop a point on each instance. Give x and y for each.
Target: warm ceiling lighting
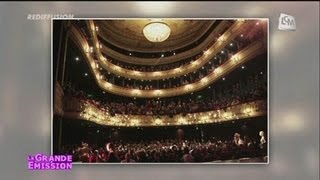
(156, 31)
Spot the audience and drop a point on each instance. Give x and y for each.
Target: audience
(250, 89)
(207, 149)
(170, 150)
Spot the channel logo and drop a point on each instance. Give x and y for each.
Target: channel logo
(286, 23)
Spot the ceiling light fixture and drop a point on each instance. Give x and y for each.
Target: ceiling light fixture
(156, 31)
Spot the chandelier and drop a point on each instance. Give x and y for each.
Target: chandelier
(156, 31)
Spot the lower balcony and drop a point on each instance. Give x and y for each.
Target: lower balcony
(80, 109)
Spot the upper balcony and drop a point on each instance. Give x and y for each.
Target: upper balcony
(235, 30)
(252, 50)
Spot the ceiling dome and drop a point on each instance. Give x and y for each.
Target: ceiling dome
(156, 31)
(131, 34)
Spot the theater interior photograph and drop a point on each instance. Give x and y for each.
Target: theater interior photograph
(160, 90)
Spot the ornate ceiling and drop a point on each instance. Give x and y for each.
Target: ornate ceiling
(128, 34)
(123, 40)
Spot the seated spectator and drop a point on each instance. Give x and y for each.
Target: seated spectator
(128, 159)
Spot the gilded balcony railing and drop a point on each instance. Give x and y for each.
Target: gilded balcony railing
(58, 99)
(81, 109)
(254, 49)
(235, 30)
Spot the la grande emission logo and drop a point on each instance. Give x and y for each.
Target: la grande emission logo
(49, 162)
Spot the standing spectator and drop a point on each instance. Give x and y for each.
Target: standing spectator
(112, 155)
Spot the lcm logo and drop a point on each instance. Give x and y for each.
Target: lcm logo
(286, 22)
